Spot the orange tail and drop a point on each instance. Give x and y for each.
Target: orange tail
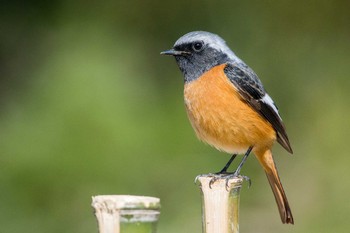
(266, 160)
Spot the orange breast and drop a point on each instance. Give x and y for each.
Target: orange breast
(221, 118)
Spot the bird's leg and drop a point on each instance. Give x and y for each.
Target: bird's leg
(238, 170)
(224, 170)
(224, 174)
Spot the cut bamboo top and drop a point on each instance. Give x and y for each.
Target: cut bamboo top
(119, 202)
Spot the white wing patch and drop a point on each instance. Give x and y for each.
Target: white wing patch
(267, 100)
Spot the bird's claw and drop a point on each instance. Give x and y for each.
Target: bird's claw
(202, 175)
(246, 178)
(215, 178)
(235, 175)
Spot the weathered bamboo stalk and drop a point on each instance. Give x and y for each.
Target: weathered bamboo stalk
(220, 203)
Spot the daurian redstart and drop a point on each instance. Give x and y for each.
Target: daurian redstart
(228, 106)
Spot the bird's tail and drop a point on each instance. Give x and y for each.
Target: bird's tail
(266, 160)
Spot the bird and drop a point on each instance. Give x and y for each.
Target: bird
(229, 108)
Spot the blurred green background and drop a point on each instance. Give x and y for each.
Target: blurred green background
(88, 106)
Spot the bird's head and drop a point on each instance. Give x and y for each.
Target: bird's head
(196, 52)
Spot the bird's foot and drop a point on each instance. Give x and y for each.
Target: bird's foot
(224, 175)
(202, 175)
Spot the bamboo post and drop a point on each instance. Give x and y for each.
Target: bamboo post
(220, 203)
(126, 213)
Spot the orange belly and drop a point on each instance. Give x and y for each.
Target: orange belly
(221, 118)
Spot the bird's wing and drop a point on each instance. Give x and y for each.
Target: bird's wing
(252, 91)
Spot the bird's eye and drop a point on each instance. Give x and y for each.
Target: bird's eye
(197, 46)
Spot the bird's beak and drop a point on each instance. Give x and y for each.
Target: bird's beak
(174, 52)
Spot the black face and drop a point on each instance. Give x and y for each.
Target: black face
(195, 47)
(197, 58)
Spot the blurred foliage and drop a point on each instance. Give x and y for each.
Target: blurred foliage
(88, 106)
